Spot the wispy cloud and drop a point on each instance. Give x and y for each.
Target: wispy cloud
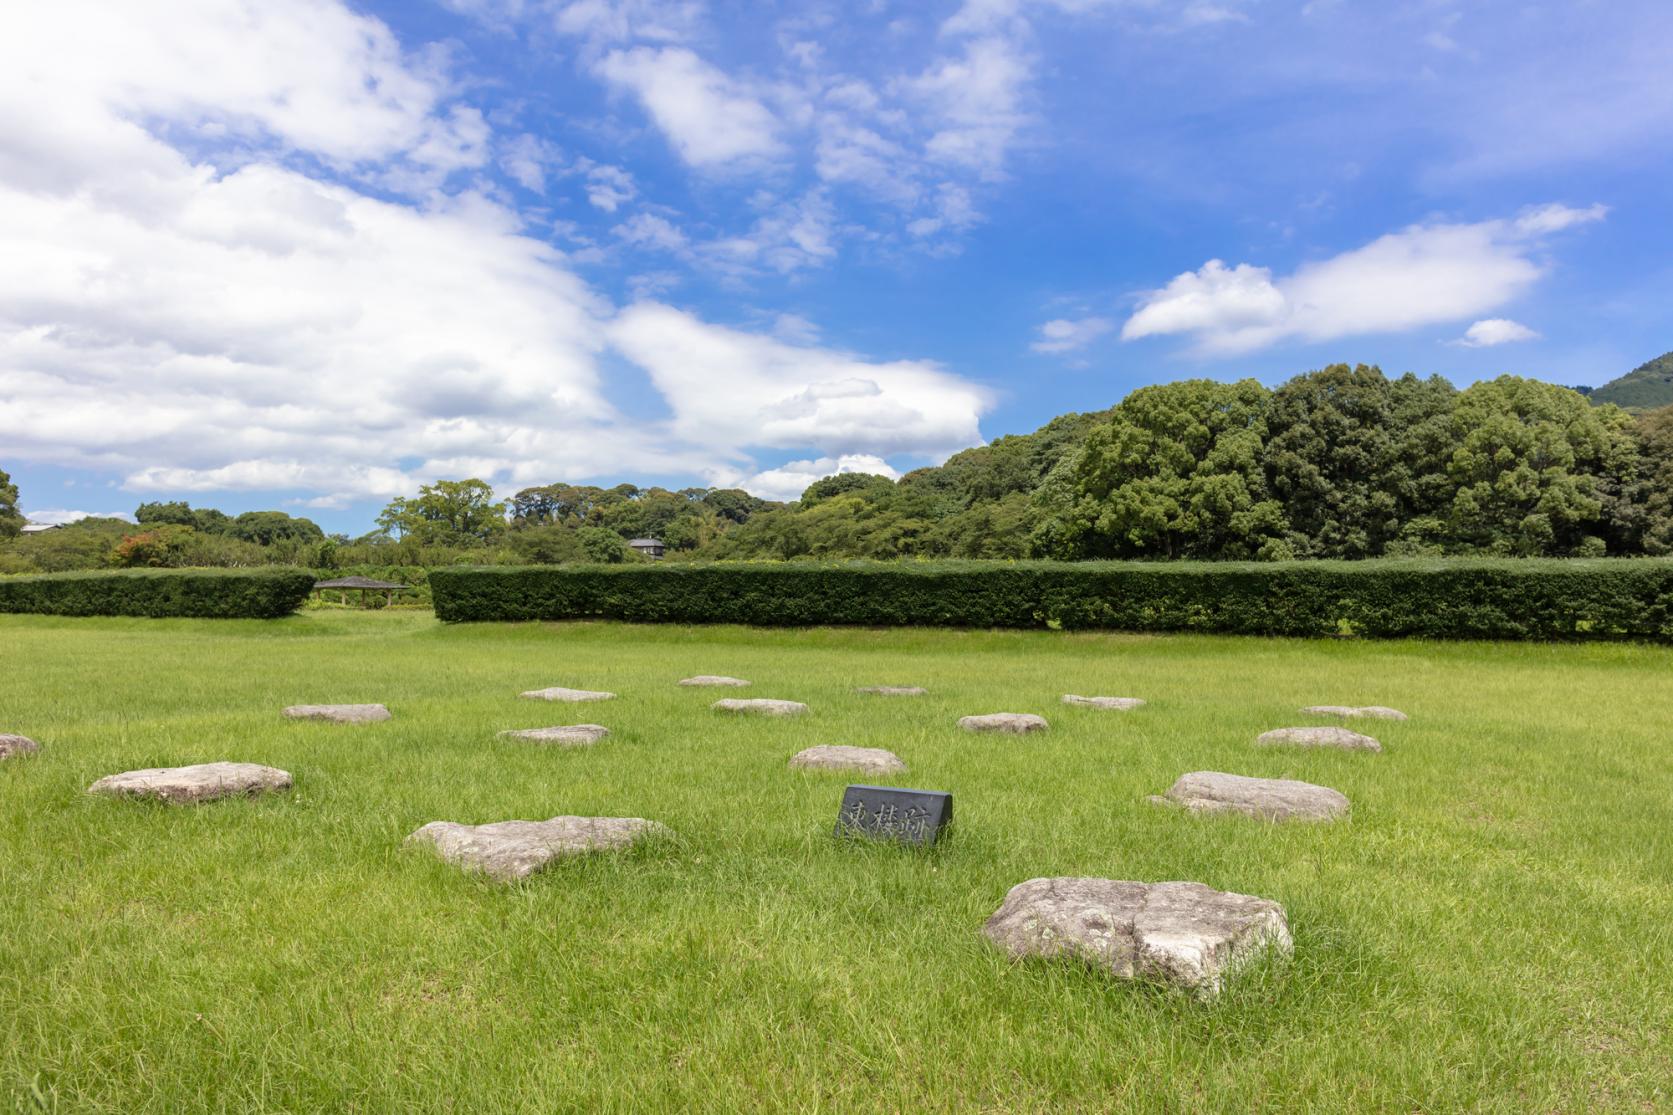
(1062, 335)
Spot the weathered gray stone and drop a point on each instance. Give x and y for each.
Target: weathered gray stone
(1117, 704)
(1271, 799)
(759, 706)
(1015, 722)
(893, 690)
(714, 680)
(1320, 737)
(567, 735)
(13, 746)
(188, 785)
(1184, 934)
(1349, 712)
(338, 714)
(559, 693)
(511, 850)
(870, 760)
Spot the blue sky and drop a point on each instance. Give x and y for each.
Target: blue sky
(313, 254)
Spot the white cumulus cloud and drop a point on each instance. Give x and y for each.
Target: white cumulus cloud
(57, 518)
(189, 303)
(789, 480)
(730, 389)
(1424, 275)
(1496, 331)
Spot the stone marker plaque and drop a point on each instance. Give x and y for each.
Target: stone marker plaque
(891, 813)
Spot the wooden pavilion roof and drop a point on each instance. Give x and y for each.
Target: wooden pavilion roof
(363, 582)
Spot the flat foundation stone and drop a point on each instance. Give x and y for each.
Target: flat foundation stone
(512, 850)
(708, 680)
(1116, 704)
(1270, 799)
(893, 690)
(1184, 934)
(1014, 722)
(566, 735)
(12, 746)
(338, 714)
(870, 760)
(559, 693)
(1350, 712)
(759, 706)
(189, 785)
(1339, 738)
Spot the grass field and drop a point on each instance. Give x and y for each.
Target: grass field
(1492, 930)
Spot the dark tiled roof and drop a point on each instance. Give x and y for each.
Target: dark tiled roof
(359, 582)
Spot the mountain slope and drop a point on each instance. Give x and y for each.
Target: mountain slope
(1644, 388)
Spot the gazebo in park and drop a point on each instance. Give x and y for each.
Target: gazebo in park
(364, 585)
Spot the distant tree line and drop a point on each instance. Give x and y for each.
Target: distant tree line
(1339, 463)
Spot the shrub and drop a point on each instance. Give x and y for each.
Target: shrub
(1498, 599)
(202, 593)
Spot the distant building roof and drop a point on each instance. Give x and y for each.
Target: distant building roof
(362, 582)
(644, 542)
(36, 528)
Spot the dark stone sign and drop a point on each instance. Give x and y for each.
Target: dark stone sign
(890, 813)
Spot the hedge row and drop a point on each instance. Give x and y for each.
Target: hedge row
(1507, 599)
(202, 593)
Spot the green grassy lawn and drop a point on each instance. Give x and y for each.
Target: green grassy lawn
(1492, 930)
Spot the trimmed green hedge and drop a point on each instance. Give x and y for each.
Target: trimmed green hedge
(202, 593)
(1486, 599)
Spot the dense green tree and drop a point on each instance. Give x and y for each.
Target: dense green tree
(176, 513)
(845, 483)
(1530, 463)
(998, 528)
(645, 514)
(546, 544)
(733, 504)
(604, 545)
(11, 520)
(1176, 472)
(1654, 433)
(448, 512)
(264, 528)
(205, 520)
(1347, 454)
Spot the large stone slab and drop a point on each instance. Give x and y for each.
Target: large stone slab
(564, 735)
(189, 785)
(1351, 712)
(759, 706)
(338, 714)
(559, 693)
(1339, 738)
(1014, 722)
(12, 746)
(871, 760)
(1184, 934)
(1114, 704)
(511, 850)
(1271, 799)
(893, 690)
(709, 680)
